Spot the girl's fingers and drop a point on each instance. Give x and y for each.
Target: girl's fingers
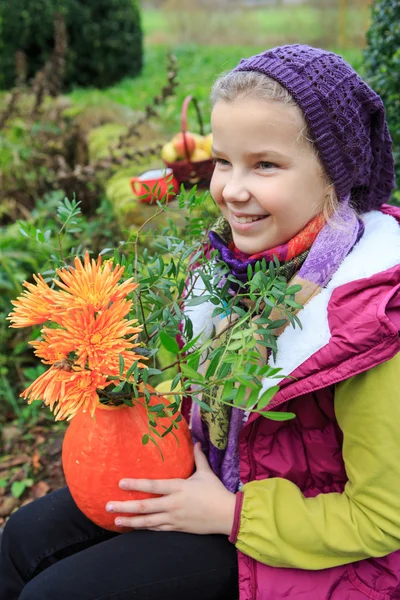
(162, 528)
(138, 507)
(200, 459)
(152, 486)
(156, 522)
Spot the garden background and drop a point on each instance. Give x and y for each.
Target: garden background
(62, 140)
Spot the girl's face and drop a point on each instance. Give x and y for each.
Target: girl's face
(267, 181)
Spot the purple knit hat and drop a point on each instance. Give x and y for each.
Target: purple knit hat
(346, 119)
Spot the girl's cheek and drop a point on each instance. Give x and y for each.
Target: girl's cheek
(216, 189)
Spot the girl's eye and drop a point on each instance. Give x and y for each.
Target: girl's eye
(265, 165)
(221, 162)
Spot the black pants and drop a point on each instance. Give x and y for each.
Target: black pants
(51, 551)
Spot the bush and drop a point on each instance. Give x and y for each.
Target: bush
(104, 39)
(382, 64)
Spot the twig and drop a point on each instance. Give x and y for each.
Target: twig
(167, 91)
(10, 108)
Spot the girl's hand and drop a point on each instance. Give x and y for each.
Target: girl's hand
(200, 504)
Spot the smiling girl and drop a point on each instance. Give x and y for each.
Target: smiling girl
(306, 509)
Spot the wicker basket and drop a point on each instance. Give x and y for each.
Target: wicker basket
(185, 171)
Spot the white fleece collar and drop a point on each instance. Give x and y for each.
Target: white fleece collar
(377, 251)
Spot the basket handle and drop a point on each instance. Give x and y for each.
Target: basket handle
(185, 107)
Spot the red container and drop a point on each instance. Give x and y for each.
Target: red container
(155, 185)
(185, 171)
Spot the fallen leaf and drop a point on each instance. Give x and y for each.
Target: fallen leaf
(14, 461)
(55, 446)
(19, 474)
(7, 506)
(36, 461)
(40, 489)
(27, 501)
(9, 434)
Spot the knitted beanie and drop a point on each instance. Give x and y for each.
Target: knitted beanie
(345, 117)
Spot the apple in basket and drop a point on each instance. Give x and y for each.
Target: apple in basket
(199, 147)
(207, 144)
(178, 143)
(168, 153)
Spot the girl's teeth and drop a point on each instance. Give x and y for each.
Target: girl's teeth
(245, 219)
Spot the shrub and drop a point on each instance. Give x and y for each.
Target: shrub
(382, 64)
(104, 39)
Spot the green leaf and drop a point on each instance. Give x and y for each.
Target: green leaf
(278, 416)
(293, 304)
(193, 360)
(293, 289)
(152, 371)
(175, 381)
(197, 300)
(239, 311)
(167, 431)
(212, 367)
(145, 439)
(119, 387)
(157, 408)
(18, 487)
(192, 342)
(252, 399)
(202, 404)
(121, 365)
(218, 311)
(191, 373)
(224, 370)
(227, 390)
(235, 346)
(268, 371)
(131, 369)
(266, 397)
(169, 343)
(240, 396)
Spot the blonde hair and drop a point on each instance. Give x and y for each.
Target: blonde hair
(254, 85)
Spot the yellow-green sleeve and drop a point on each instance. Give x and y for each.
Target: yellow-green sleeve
(280, 527)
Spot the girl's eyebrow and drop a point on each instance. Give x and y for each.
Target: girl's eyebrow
(262, 153)
(258, 154)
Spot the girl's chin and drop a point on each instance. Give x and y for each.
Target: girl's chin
(252, 245)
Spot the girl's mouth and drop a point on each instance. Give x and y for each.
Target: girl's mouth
(244, 223)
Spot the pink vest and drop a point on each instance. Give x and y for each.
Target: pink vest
(283, 449)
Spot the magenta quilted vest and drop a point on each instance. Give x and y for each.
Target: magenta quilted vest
(362, 322)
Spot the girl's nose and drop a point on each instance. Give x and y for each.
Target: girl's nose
(235, 191)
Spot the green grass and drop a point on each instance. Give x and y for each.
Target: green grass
(198, 67)
(268, 26)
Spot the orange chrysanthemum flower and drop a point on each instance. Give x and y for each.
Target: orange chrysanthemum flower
(91, 284)
(67, 391)
(94, 284)
(96, 340)
(37, 305)
(93, 334)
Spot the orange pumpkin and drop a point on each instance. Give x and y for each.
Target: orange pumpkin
(99, 451)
